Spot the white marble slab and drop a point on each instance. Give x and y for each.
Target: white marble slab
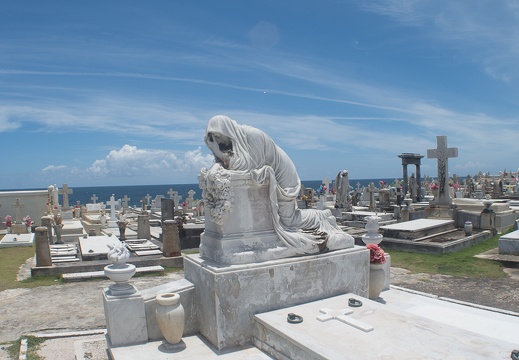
(96, 245)
(424, 331)
(417, 225)
(148, 252)
(13, 240)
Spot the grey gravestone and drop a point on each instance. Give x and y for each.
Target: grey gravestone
(167, 209)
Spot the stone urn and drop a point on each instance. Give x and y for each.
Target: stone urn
(122, 229)
(468, 228)
(372, 236)
(119, 271)
(377, 277)
(170, 318)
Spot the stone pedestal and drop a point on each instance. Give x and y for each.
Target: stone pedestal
(125, 319)
(43, 257)
(229, 295)
(143, 227)
(46, 221)
(170, 239)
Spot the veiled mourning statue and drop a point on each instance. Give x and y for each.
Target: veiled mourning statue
(244, 152)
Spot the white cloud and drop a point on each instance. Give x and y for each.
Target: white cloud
(52, 168)
(130, 161)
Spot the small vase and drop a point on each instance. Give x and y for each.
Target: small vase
(377, 277)
(170, 318)
(468, 228)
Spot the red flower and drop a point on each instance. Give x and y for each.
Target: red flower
(376, 254)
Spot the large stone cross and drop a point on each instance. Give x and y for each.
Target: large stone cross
(18, 206)
(94, 199)
(341, 315)
(442, 153)
(65, 191)
(190, 198)
(147, 197)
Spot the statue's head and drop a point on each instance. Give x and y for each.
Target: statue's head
(219, 136)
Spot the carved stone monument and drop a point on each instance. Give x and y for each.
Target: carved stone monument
(253, 251)
(442, 154)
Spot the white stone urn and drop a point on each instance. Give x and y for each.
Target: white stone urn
(372, 236)
(120, 272)
(170, 318)
(377, 277)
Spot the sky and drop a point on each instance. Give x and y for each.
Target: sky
(102, 93)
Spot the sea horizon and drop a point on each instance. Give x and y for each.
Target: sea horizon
(136, 193)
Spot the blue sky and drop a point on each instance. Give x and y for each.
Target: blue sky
(120, 92)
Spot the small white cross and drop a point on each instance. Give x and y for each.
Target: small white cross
(94, 199)
(329, 314)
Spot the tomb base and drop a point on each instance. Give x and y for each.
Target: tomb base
(228, 296)
(125, 319)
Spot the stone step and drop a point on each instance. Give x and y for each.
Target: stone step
(101, 274)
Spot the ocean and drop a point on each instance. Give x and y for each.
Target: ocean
(138, 192)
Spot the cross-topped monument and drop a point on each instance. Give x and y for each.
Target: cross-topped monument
(148, 198)
(94, 199)
(65, 191)
(126, 199)
(18, 206)
(176, 198)
(171, 193)
(442, 153)
(112, 204)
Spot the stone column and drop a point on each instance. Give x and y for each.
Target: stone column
(43, 257)
(46, 221)
(143, 227)
(170, 239)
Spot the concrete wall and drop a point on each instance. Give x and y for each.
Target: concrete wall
(34, 204)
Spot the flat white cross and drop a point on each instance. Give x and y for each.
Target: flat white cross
(148, 197)
(94, 199)
(126, 199)
(112, 204)
(330, 314)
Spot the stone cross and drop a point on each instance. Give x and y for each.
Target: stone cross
(65, 191)
(190, 199)
(326, 182)
(18, 206)
(371, 190)
(94, 199)
(112, 203)
(171, 193)
(442, 153)
(341, 315)
(176, 199)
(358, 186)
(147, 197)
(126, 199)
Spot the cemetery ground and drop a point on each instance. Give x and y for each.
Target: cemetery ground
(47, 305)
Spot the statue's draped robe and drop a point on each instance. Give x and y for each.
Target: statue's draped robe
(256, 153)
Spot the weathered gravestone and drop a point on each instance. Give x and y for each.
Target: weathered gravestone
(442, 153)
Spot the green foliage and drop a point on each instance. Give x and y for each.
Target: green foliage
(33, 345)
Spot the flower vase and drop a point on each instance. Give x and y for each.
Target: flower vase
(170, 318)
(377, 277)
(468, 228)
(8, 229)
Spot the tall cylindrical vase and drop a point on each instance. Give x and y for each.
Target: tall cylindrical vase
(170, 317)
(377, 277)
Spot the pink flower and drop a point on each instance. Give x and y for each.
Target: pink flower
(376, 254)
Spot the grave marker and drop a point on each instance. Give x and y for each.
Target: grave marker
(442, 153)
(65, 191)
(94, 199)
(18, 206)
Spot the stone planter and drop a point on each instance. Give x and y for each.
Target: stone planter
(377, 278)
(170, 318)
